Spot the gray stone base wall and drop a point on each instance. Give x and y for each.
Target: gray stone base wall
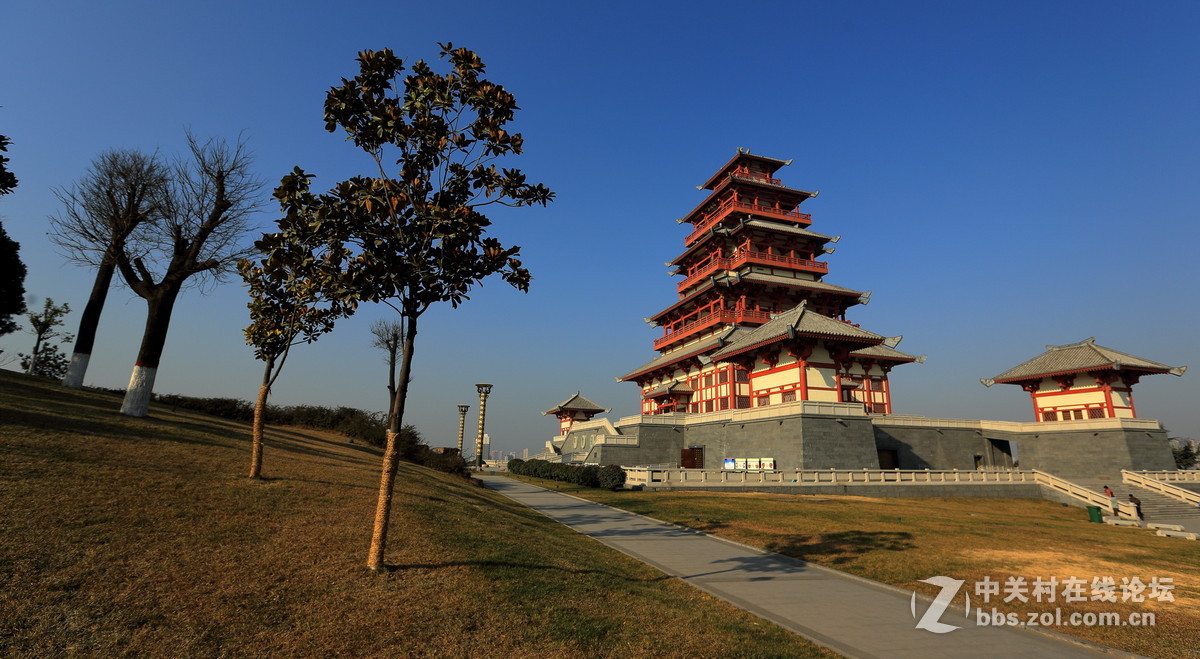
(817, 441)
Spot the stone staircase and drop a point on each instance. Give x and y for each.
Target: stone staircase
(1155, 507)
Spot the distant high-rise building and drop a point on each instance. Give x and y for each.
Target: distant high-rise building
(524, 454)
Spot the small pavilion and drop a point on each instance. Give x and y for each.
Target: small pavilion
(576, 408)
(1082, 381)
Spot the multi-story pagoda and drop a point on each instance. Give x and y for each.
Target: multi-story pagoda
(755, 323)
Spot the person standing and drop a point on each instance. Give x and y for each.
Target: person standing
(1137, 503)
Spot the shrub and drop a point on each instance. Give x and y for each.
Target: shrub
(611, 477)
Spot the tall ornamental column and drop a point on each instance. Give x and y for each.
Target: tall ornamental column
(484, 390)
(462, 426)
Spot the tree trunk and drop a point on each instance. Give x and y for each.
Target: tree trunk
(86, 337)
(260, 411)
(158, 321)
(391, 387)
(37, 349)
(391, 454)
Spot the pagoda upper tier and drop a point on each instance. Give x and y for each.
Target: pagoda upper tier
(750, 255)
(750, 260)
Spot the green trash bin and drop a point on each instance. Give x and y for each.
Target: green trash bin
(1094, 514)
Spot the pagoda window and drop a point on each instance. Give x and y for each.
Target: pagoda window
(1096, 413)
(789, 396)
(763, 401)
(741, 375)
(722, 377)
(1049, 416)
(741, 402)
(708, 406)
(708, 380)
(723, 403)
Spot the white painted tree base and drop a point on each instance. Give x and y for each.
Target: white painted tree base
(76, 371)
(137, 396)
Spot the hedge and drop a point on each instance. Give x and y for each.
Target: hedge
(608, 477)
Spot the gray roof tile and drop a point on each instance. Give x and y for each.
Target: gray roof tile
(797, 321)
(1079, 357)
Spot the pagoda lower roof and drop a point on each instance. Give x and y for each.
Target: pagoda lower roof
(759, 278)
(885, 353)
(758, 224)
(797, 321)
(685, 352)
(674, 387)
(1080, 358)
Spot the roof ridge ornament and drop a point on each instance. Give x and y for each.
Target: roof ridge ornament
(893, 341)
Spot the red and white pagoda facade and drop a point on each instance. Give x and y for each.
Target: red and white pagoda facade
(755, 324)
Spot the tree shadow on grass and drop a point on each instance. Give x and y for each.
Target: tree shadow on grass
(843, 546)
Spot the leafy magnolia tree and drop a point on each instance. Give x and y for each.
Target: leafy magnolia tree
(44, 326)
(389, 337)
(284, 311)
(12, 283)
(415, 234)
(122, 191)
(8, 180)
(12, 271)
(199, 237)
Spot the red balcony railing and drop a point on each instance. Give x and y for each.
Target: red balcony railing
(704, 322)
(709, 219)
(755, 176)
(742, 258)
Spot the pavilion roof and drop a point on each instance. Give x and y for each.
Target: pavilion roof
(576, 403)
(1078, 358)
(797, 321)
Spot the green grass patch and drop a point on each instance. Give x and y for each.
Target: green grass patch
(903, 540)
(142, 536)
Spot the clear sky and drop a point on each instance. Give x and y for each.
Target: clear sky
(1004, 175)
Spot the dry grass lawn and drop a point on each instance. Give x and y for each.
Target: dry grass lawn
(901, 541)
(123, 536)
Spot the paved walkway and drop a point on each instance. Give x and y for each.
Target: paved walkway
(852, 616)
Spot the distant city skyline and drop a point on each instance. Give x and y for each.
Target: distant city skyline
(999, 184)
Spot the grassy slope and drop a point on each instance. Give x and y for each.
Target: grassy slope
(121, 535)
(901, 541)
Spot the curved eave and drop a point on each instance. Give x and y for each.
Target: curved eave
(774, 163)
(1076, 371)
(769, 280)
(818, 238)
(652, 367)
(720, 187)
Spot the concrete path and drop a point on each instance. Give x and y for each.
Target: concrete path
(853, 616)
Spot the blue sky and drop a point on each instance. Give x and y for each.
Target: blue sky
(1004, 176)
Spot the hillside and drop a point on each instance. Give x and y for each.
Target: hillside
(122, 535)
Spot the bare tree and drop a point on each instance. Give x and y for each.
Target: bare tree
(389, 337)
(200, 239)
(106, 212)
